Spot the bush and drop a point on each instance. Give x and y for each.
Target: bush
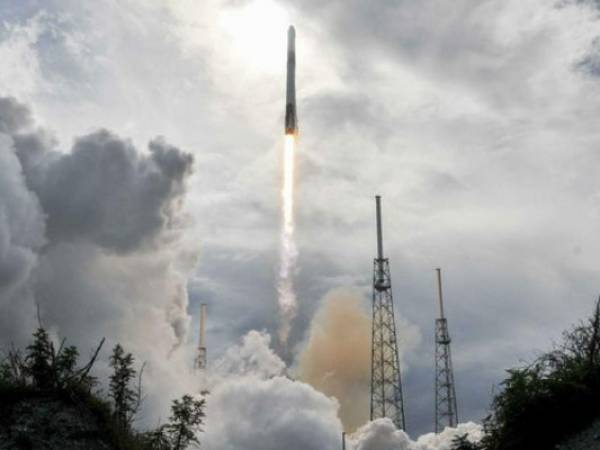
(462, 442)
(555, 396)
(44, 372)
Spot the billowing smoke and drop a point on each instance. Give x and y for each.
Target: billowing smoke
(92, 236)
(381, 434)
(336, 359)
(22, 235)
(252, 405)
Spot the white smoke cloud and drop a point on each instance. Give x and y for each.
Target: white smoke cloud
(21, 237)
(381, 434)
(252, 405)
(93, 237)
(254, 356)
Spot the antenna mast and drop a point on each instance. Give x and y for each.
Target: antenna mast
(446, 411)
(386, 381)
(200, 362)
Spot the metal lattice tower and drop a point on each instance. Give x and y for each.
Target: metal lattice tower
(446, 412)
(200, 361)
(386, 381)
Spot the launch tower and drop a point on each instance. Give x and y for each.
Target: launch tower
(386, 382)
(200, 362)
(446, 412)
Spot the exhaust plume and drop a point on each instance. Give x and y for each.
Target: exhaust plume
(286, 295)
(336, 360)
(337, 357)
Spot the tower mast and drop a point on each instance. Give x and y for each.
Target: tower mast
(446, 411)
(200, 362)
(386, 381)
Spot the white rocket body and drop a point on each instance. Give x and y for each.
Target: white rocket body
(291, 120)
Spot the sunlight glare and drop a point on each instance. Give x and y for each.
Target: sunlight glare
(257, 32)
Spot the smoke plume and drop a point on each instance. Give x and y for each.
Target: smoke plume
(336, 359)
(381, 434)
(252, 405)
(288, 254)
(93, 236)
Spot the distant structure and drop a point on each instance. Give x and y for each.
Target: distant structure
(200, 362)
(446, 412)
(386, 382)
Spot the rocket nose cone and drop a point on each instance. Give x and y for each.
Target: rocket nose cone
(291, 31)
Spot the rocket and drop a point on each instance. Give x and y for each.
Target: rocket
(291, 121)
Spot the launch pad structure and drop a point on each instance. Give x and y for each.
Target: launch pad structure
(386, 380)
(446, 411)
(201, 361)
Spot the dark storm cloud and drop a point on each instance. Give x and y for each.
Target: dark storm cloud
(104, 191)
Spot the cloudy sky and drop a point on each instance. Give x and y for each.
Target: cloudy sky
(475, 120)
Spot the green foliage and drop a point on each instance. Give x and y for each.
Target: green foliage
(156, 440)
(45, 372)
(5, 375)
(65, 363)
(39, 360)
(126, 399)
(461, 442)
(186, 419)
(556, 395)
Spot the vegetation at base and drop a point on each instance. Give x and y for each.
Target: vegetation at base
(43, 372)
(462, 442)
(543, 403)
(126, 399)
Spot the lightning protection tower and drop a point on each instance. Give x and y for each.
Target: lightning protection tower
(446, 412)
(386, 382)
(200, 362)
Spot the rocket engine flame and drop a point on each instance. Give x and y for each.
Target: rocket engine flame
(286, 295)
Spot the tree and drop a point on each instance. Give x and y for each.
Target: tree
(126, 399)
(556, 395)
(64, 364)
(38, 360)
(156, 439)
(461, 442)
(186, 419)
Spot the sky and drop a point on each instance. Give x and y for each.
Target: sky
(141, 159)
